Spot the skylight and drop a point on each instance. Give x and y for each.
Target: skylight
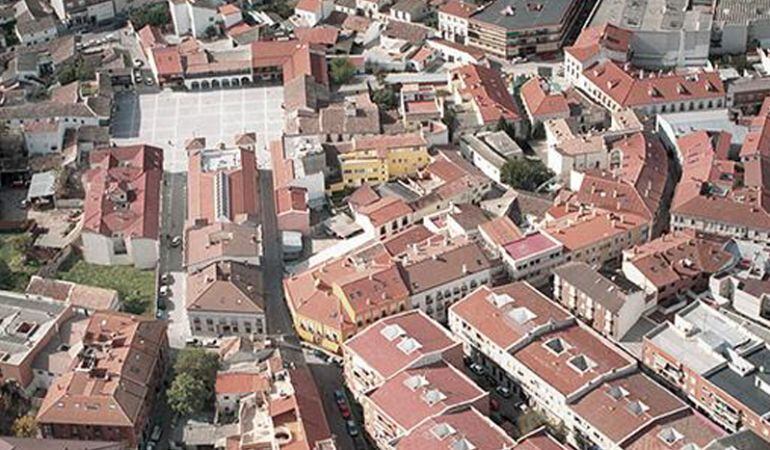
(521, 315)
(462, 444)
(391, 332)
(581, 363)
(556, 345)
(500, 300)
(408, 345)
(442, 430)
(433, 396)
(415, 382)
(669, 435)
(617, 392)
(637, 408)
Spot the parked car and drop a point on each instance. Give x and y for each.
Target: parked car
(212, 343)
(149, 81)
(164, 291)
(138, 63)
(352, 428)
(477, 369)
(503, 392)
(166, 278)
(192, 342)
(176, 241)
(157, 431)
(345, 412)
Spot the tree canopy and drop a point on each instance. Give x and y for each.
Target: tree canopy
(341, 70)
(155, 14)
(525, 174)
(25, 427)
(187, 395)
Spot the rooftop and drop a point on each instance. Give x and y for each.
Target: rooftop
(26, 321)
(515, 15)
(596, 286)
(530, 245)
(466, 429)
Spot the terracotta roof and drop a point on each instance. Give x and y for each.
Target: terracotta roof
(226, 287)
(290, 199)
(580, 229)
(79, 295)
(313, 6)
(501, 230)
(432, 266)
(412, 236)
(414, 395)
(530, 244)
(123, 191)
(541, 102)
(492, 312)
(319, 34)
(484, 86)
(229, 9)
(385, 210)
(229, 383)
(385, 143)
(593, 39)
(457, 9)
(220, 241)
(539, 440)
(13, 443)
(620, 408)
(694, 429)
(359, 24)
(584, 357)
(677, 256)
(634, 90)
(168, 61)
(410, 32)
(293, 57)
(462, 426)
(364, 195)
(125, 352)
(381, 353)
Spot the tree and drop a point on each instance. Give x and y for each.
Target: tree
(505, 126)
(525, 174)
(6, 276)
(201, 365)
(211, 32)
(385, 98)
(156, 15)
(14, 403)
(25, 427)
(79, 69)
(187, 395)
(134, 305)
(341, 70)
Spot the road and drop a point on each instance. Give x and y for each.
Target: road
(328, 378)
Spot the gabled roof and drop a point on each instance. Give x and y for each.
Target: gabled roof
(226, 287)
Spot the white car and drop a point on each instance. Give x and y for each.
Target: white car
(164, 291)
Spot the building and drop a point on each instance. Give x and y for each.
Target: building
(543, 103)
(122, 206)
(439, 272)
(508, 28)
(634, 412)
(609, 303)
(467, 428)
(674, 264)
(747, 293)
(675, 36)
(534, 346)
(311, 12)
(233, 386)
(391, 345)
(291, 207)
(194, 17)
(453, 20)
(223, 185)
(722, 196)
(483, 98)
(219, 242)
(93, 401)
(377, 159)
(489, 151)
(13, 443)
(384, 217)
(31, 321)
(331, 302)
(598, 64)
(738, 27)
(717, 363)
(85, 13)
(532, 256)
(83, 299)
(225, 298)
(414, 395)
(595, 236)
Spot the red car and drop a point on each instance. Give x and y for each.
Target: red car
(345, 411)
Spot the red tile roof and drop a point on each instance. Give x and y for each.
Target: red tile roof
(313, 6)
(132, 173)
(541, 102)
(530, 245)
(291, 198)
(293, 57)
(385, 210)
(581, 229)
(229, 383)
(637, 90)
(484, 86)
(458, 9)
(490, 312)
(501, 230)
(468, 424)
(323, 35)
(592, 40)
(168, 62)
(437, 388)
(229, 9)
(383, 356)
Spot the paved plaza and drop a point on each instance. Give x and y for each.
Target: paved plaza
(168, 119)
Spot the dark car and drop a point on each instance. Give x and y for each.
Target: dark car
(352, 428)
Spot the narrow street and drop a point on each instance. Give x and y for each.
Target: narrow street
(328, 378)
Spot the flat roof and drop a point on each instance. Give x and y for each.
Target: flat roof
(530, 245)
(524, 14)
(744, 387)
(651, 15)
(741, 11)
(26, 319)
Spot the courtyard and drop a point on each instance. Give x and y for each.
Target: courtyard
(169, 118)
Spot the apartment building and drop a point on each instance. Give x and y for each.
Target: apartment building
(122, 206)
(717, 363)
(377, 159)
(384, 217)
(453, 20)
(30, 323)
(93, 400)
(593, 235)
(535, 346)
(219, 242)
(393, 344)
(532, 256)
(674, 264)
(468, 428)
(508, 28)
(609, 303)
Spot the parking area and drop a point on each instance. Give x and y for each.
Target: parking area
(169, 118)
